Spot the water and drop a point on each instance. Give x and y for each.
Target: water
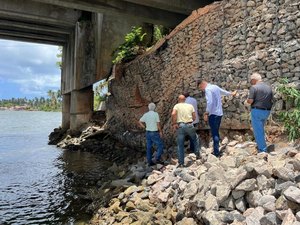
(40, 184)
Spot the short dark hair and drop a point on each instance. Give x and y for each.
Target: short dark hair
(186, 94)
(199, 82)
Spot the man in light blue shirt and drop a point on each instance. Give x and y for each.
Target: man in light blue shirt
(150, 121)
(214, 111)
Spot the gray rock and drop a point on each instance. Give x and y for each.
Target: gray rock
(237, 194)
(264, 183)
(247, 185)
(265, 170)
(226, 217)
(240, 204)
(184, 175)
(187, 221)
(267, 202)
(293, 194)
(228, 204)
(235, 176)
(238, 216)
(289, 218)
(212, 217)
(284, 173)
(270, 219)
(298, 216)
(253, 198)
(282, 185)
(255, 216)
(211, 203)
(191, 189)
(222, 192)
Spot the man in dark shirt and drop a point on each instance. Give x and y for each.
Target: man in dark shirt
(260, 98)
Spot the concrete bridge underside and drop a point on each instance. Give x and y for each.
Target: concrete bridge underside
(88, 30)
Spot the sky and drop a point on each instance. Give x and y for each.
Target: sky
(27, 69)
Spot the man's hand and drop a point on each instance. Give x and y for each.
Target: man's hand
(161, 134)
(205, 116)
(175, 126)
(234, 93)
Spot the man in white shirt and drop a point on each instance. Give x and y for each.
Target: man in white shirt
(150, 121)
(214, 111)
(193, 102)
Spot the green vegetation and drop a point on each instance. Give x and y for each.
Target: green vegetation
(135, 43)
(131, 47)
(100, 93)
(159, 32)
(59, 56)
(52, 103)
(290, 117)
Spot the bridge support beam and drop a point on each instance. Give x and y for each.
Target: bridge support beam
(66, 103)
(81, 107)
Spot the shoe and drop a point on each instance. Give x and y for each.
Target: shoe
(151, 164)
(197, 156)
(270, 148)
(181, 166)
(159, 162)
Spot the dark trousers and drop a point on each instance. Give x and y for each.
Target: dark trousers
(214, 123)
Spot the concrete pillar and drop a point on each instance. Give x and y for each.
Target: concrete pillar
(81, 109)
(66, 104)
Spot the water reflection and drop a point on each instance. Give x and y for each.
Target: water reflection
(41, 184)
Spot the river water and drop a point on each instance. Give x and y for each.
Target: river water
(39, 183)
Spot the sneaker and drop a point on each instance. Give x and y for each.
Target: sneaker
(151, 164)
(181, 166)
(159, 162)
(270, 148)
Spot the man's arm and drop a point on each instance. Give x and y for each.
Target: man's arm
(174, 119)
(194, 116)
(224, 92)
(251, 96)
(142, 124)
(208, 97)
(250, 101)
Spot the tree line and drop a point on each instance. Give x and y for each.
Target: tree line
(51, 103)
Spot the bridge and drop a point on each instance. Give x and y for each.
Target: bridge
(88, 31)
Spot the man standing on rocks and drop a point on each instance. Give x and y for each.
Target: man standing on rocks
(183, 115)
(214, 111)
(150, 121)
(261, 100)
(193, 102)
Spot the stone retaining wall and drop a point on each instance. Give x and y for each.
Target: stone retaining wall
(223, 43)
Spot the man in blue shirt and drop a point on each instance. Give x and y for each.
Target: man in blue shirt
(214, 111)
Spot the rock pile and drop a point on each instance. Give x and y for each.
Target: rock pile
(239, 188)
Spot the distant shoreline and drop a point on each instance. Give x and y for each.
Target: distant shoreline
(24, 108)
(16, 108)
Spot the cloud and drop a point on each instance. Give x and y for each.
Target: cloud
(31, 67)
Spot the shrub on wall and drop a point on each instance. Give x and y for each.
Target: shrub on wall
(290, 117)
(131, 47)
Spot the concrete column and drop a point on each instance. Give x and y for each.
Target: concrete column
(66, 104)
(81, 107)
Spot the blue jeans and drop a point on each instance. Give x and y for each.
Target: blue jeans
(190, 131)
(153, 137)
(258, 120)
(192, 147)
(214, 123)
